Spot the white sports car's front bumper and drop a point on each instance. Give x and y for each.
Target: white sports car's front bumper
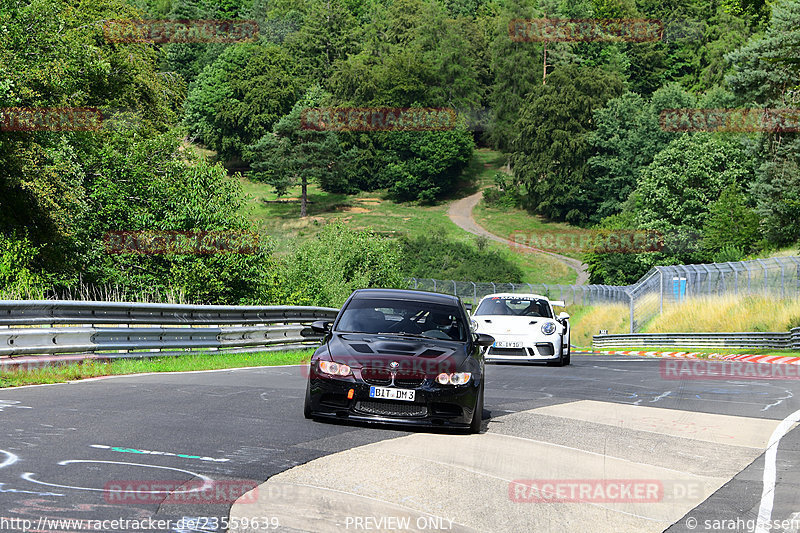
(522, 349)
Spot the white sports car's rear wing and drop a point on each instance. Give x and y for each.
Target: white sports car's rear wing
(558, 303)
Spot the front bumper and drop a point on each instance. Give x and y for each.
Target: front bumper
(433, 405)
(529, 352)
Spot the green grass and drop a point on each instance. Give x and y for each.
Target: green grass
(375, 211)
(181, 363)
(507, 223)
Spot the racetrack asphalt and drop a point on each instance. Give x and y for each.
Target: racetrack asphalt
(66, 449)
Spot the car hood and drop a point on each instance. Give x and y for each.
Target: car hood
(412, 355)
(501, 323)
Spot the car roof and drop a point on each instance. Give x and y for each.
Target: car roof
(407, 294)
(516, 296)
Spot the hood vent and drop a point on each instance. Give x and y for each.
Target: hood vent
(431, 353)
(361, 348)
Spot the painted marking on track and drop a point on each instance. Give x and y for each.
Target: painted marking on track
(9, 460)
(150, 452)
(768, 491)
(5, 404)
(35, 493)
(207, 481)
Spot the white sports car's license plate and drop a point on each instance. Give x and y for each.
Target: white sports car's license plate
(385, 393)
(508, 344)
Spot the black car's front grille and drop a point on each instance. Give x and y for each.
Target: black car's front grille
(382, 377)
(397, 409)
(408, 383)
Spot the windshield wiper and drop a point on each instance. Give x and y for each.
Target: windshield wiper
(403, 334)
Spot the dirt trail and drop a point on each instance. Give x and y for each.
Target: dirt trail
(460, 213)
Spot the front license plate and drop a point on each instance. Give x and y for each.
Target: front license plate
(508, 344)
(385, 393)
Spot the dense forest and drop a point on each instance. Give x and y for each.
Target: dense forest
(580, 124)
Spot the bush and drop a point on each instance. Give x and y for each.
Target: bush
(442, 258)
(326, 270)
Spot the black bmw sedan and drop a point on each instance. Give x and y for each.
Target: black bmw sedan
(399, 357)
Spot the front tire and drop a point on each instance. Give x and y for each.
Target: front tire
(307, 404)
(477, 415)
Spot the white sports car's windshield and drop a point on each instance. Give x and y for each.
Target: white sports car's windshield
(515, 307)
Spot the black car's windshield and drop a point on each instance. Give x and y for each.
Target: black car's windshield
(514, 307)
(403, 317)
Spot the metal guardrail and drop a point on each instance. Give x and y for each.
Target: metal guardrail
(788, 340)
(175, 327)
(35, 312)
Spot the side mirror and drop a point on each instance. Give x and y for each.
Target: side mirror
(484, 340)
(321, 326)
(469, 307)
(563, 316)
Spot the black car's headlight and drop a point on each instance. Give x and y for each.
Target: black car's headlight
(334, 369)
(456, 378)
(548, 328)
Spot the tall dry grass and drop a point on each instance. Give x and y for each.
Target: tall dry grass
(589, 320)
(728, 313)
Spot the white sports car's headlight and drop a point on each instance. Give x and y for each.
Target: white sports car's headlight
(474, 324)
(548, 328)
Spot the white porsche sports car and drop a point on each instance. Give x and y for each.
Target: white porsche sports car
(525, 328)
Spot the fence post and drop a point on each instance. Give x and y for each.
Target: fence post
(455, 289)
(782, 276)
(760, 262)
(747, 268)
(494, 287)
(735, 277)
(474, 293)
(513, 288)
(631, 305)
(661, 291)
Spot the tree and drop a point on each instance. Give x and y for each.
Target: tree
(626, 138)
(326, 36)
(410, 54)
(762, 73)
(552, 144)
(291, 154)
(676, 190)
(237, 99)
(730, 223)
(776, 190)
